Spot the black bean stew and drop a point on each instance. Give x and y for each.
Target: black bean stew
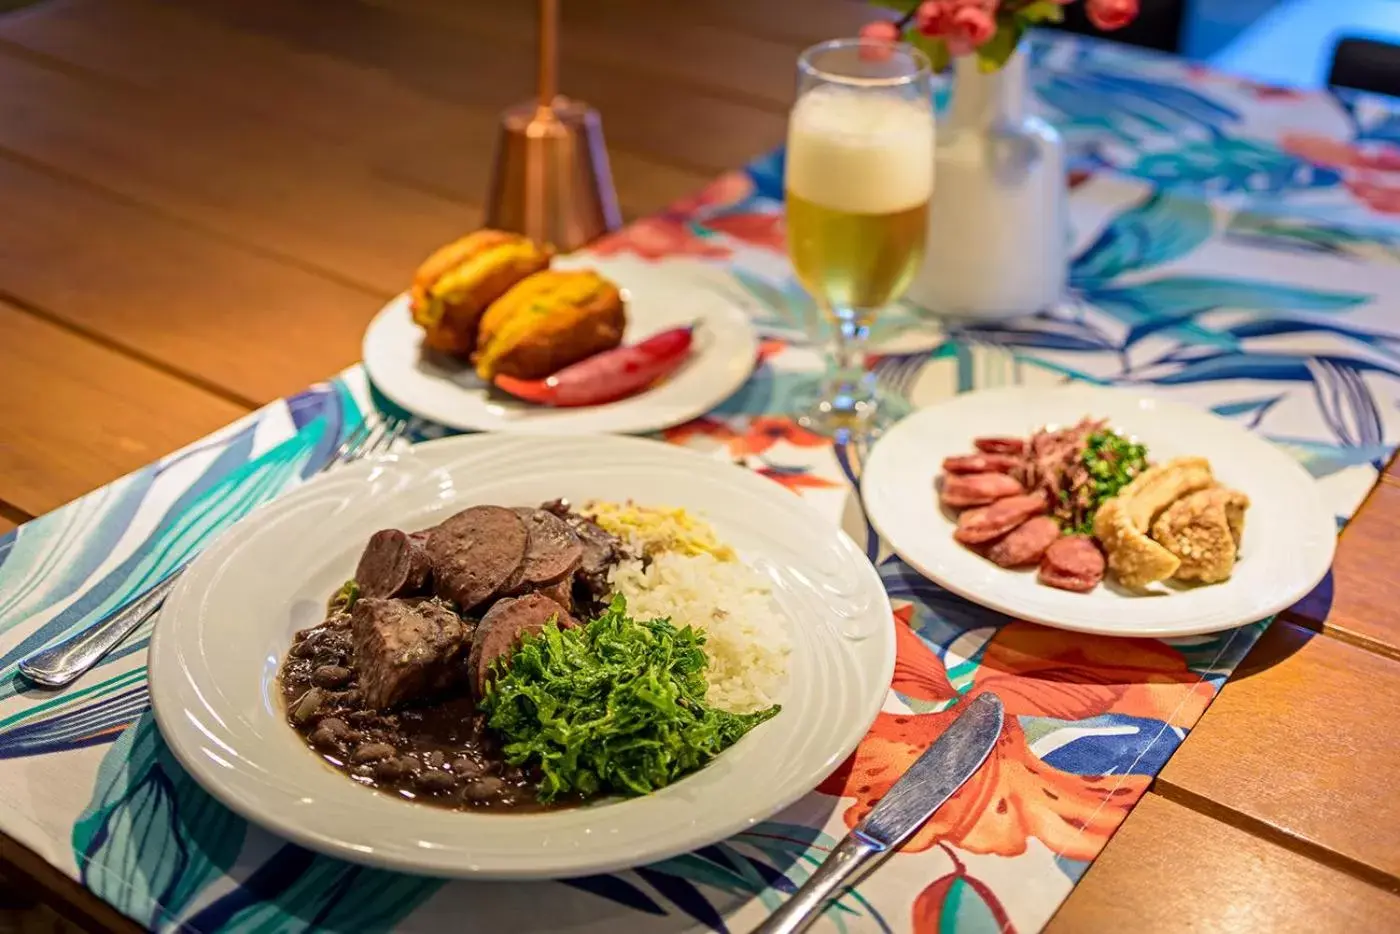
(384, 689)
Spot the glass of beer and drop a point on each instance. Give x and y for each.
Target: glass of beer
(858, 177)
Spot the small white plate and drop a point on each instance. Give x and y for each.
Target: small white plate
(658, 299)
(216, 650)
(1289, 536)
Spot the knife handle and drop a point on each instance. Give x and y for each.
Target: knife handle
(853, 858)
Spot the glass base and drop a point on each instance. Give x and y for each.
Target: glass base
(845, 412)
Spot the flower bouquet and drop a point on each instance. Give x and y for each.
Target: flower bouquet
(989, 29)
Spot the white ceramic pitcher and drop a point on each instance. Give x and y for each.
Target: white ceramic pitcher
(998, 222)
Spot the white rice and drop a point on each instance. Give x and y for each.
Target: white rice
(747, 638)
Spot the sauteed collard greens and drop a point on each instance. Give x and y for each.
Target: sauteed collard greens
(615, 706)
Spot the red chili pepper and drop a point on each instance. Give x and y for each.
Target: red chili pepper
(608, 376)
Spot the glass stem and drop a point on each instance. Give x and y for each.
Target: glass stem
(849, 383)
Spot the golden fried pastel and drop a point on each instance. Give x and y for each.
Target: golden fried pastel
(454, 286)
(547, 322)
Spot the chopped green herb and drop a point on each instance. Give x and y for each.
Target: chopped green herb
(1113, 461)
(615, 706)
(344, 598)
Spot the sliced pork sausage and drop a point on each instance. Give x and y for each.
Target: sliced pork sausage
(1072, 563)
(988, 522)
(977, 489)
(406, 651)
(475, 553)
(501, 629)
(393, 564)
(1025, 545)
(552, 553)
(981, 463)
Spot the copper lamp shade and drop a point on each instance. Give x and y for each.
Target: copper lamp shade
(551, 180)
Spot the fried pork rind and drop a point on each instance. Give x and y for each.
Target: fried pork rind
(1121, 524)
(1204, 530)
(549, 321)
(456, 283)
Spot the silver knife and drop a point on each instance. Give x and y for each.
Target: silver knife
(930, 781)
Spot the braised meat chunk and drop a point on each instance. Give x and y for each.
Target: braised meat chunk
(403, 652)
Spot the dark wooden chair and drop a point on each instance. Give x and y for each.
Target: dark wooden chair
(1366, 65)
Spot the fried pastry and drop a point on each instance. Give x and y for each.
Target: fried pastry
(1121, 524)
(1204, 530)
(547, 322)
(457, 283)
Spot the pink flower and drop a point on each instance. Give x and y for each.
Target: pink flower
(931, 18)
(970, 27)
(880, 31)
(1111, 14)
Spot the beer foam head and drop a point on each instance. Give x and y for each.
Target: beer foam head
(867, 152)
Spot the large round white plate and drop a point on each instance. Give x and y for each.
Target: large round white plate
(1289, 537)
(658, 298)
(215, 654)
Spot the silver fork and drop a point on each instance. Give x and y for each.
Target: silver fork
(60, 665)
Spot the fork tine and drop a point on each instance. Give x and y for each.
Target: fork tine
(395, 428)
(352, 442)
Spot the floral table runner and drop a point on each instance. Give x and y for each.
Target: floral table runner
(1233, 248)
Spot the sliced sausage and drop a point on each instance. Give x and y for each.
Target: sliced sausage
(553, 551)
(503, 626)
(1026, 544)
(475, 552)
(981, 463)
(1072, 563)
(1000, 445)
(988, 522)
(394, 564)
(960, 490)
(403, 652)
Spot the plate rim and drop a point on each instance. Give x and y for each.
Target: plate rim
(1008, 608)
(246, 807)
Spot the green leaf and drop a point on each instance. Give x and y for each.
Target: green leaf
(935, 49)
(1041, 11)
(1000, 47)
(903, 6)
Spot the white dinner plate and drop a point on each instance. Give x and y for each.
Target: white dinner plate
(215, 654)
(1289, 535)
(658, 299)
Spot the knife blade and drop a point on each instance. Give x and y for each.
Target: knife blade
(935, 775)
(945, 765)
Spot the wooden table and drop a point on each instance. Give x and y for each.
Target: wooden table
(205, 202)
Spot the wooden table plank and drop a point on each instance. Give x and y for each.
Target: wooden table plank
(6, 525)
(1169, 869)
(633, 35)
(1298, 741)
(402, 133)
(232, 174)
(1358, 600)
(252, 327)
(797, 23)
(656, 118)
(93, 420)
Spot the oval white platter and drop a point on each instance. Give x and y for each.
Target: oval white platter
(658, 298)
(1289, 539)
(216, 649)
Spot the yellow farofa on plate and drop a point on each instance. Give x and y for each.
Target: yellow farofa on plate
(655, 529)
(692, 578)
